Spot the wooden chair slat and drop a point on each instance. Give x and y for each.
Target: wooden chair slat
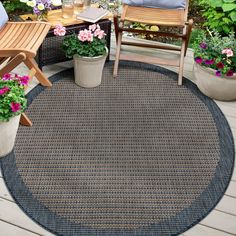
(164, 17)
(14, 40)
(5, 39)
(27, 28)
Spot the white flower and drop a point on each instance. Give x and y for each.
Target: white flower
(56, 2)
(40, 6)
(31, 3)
(25, 1)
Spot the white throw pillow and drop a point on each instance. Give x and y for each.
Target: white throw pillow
(3, 16)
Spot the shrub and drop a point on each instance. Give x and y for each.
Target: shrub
(14, 5)
(220, 14)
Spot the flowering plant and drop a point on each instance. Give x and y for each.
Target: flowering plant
(12, 97)
(40, 6)
(88, 43)
(216, 52)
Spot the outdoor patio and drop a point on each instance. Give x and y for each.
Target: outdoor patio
(220, 222)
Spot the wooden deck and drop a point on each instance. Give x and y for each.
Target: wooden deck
(220, 222)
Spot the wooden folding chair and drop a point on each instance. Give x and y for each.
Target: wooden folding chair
(153, 16)
(19, 42)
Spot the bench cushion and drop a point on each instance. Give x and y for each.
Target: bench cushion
(3, 16)
(165, 4)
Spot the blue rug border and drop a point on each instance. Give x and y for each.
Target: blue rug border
(59, 226)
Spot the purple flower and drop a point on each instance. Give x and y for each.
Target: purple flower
(24, 80)
(4, 90)
(198, 60)
(220, 65)
(203, 45)
(15, 106)
(218, 73)
(230, 73)
(209, 62)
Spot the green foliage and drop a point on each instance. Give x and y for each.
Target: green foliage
(11, 93)
(216, 52)
(14, 5)
(220, 15)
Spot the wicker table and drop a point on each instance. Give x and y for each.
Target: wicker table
(50, 51)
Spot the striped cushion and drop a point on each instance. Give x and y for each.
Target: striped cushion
(3, 16)
(165, 4)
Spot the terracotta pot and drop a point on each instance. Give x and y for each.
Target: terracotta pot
(219, 88)
(8, 132)
(88, 70)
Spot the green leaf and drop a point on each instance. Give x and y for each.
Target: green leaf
(233, 16)
(216, 3)
(228, 7)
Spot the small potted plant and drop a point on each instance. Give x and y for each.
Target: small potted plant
(89, 52)
(215, 65)
(12, 103)
(42, 7)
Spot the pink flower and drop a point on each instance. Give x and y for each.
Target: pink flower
(15, 106)
(7, 77)
(218, 73)
(99, 33)
(24, 80)
(59, 30)
(4, 90)
(85, 35)
(93, 27)
(228, 52)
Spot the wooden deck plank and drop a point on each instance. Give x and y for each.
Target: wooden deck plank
(231, 191)
(4, 193)
(12, 214)
(201, 230)
(11, 230)
(221, 221)
(227, 205)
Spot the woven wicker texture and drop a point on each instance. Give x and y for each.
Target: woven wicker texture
(135, 156)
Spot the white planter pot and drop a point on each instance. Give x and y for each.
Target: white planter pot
(8, 132)
(88, 70)
(219, 88)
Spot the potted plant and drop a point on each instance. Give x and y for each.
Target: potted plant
(12, 103)
(215, 65)
(89, 52)
(42, 7)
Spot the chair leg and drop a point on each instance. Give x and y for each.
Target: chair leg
(181, 62)
(24, 120)
(188, 32)
(116, 26)
(30, 63)
(118, 48)
(14, 62)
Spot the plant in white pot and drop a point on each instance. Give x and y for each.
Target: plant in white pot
(12, 103)
(215, 65)
(89, 52)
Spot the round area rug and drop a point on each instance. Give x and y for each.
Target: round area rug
(138, 155)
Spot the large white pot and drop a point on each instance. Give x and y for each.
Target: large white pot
(88, 70)
(219, 88)
(8, 132)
